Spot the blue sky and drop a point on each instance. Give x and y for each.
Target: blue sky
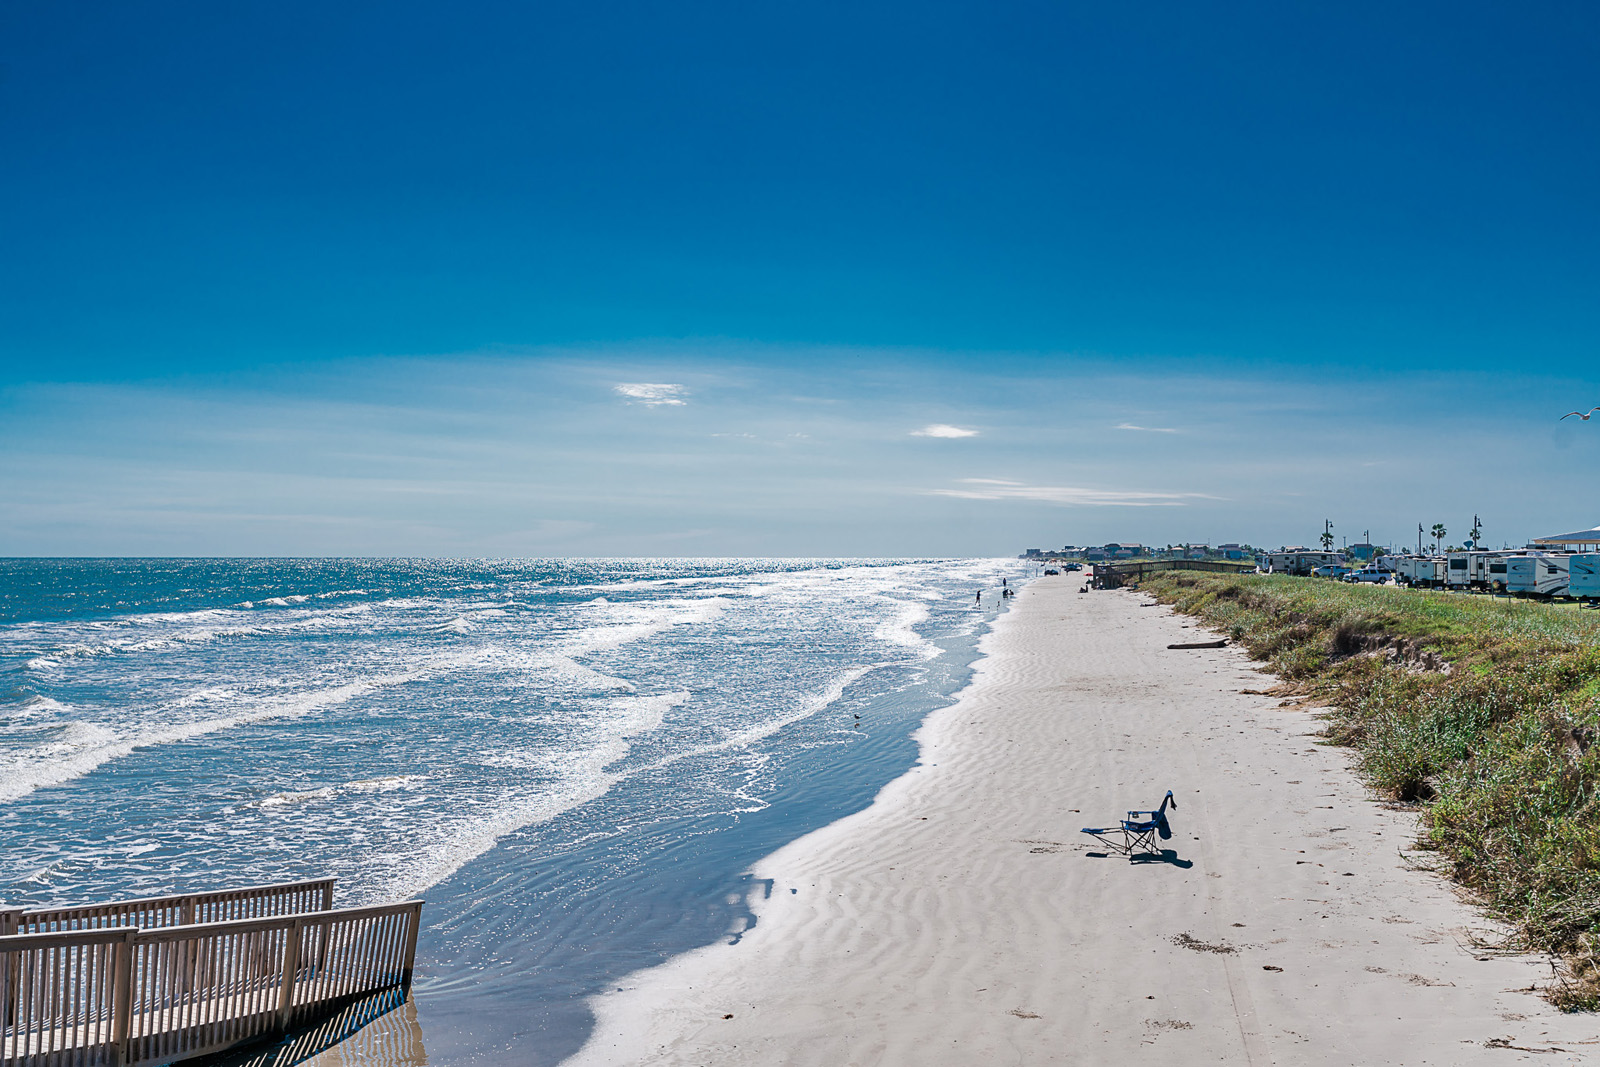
(385, 279)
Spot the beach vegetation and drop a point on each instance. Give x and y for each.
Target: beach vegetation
(1482, 712)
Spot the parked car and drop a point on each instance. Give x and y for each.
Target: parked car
(1074, 566)
(1367, 574)
(1331, 570)
(1051, 570)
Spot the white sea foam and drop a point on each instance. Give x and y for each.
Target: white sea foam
(338, 618)
(581, 772)
(278, 800)
(22, 772)
(621, 624)
(804, 710)
(34, 705)
(584, 779)
(901, 629)
(387, 784)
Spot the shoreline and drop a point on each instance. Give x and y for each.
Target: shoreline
(560, 920)
(961, 917)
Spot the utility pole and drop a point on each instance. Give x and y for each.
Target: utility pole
(1419, 538)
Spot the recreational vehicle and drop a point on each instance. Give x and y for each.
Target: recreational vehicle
(1426, 572)
(1538, 574)
(1585, 578)
(1301, 563)
(1477, 570)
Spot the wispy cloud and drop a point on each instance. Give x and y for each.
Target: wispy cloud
(1067, 496)
(1146, 429)
(939, 429)
(652, 394)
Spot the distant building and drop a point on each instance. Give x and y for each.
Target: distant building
(1033, 553)
(1364, 552)
(1577, 541)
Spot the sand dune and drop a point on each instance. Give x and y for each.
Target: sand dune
(962, 920)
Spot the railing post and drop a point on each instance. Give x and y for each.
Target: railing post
(291, 974)
(411, 946)
(323, 930)
(8, 992)
(122, 997)
(10, 968)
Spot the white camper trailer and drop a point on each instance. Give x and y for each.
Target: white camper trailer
(1585, 576)
(1301, 563)
(1477, 570)
(1426, 572)
(1538, 574)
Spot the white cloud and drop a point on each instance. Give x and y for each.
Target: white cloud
(1145, 429)
(1067, 496)
(652, 394)
(939, 429)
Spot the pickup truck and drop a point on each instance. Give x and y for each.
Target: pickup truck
(1368, 574)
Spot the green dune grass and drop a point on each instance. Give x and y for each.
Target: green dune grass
(1484, 712)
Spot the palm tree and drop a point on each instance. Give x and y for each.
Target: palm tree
(1438, 532)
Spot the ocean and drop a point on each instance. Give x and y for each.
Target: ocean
(573, 761)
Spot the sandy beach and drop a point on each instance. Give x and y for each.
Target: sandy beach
(962, 918)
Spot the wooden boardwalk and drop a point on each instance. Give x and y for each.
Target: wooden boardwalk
(84, 987)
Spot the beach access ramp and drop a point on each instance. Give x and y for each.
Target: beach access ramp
(166, 979)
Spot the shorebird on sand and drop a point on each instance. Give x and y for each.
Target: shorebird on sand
(1580, 414)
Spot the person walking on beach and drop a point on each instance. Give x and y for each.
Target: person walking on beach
(977, 598)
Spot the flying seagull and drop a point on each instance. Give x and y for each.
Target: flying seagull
(1580, 414)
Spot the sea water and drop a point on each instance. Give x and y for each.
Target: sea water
(574, 761)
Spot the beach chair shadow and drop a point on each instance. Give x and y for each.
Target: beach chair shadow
(1136, 836)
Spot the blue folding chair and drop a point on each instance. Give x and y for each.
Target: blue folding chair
(1138, 831)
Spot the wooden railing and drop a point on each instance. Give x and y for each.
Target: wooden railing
(126, 996)
(252, 902)
(1114, 575)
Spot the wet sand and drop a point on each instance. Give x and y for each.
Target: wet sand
(962, 919)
